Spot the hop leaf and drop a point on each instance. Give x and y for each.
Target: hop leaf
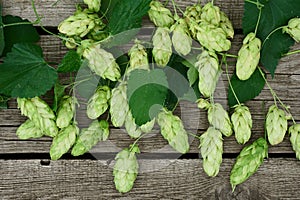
(294, 132)
(181, 38)
(119, 105)
(219, 119)
(211, 14)
(138, 57)
(28, 130)
(40, 114)
(209, 72)
(99, 102)
(248, 161)
(293, 29)
(94, 5)
(276, 125)
(211, 147)
(89, 137)
(66, 111)
(248, 57)
(126, 169)
(63, 141)
(162, 46)
(173, 131)
(242, 123)
(159, 15)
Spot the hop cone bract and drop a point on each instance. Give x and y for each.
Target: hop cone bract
(66, 110)
(159, 15)
(242, 123)
(294, 132)
(162, 46)
(293, 29)
(29, 130)
(99, 102)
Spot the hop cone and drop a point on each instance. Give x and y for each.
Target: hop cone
(162, 46)
(211, 147)
(192, 16)
(89, 137)
(132, 129)
(294, 132)
(66, 110)
(118, 105)
(138, 57)
(159, 15)
(40, 114)
(209, 72)
(226, 25)
(85, 45)
(203, 104)
(29, 130)
(211, 14)
(248, 57)
(181, 38)
(94, 5)
(99, 102)
(173, 131)
(293, 29)
(126, 169)
(276, 125)
(98, 33)
(248, 161)
(102, 63)
(242, 123)
(63, 141)
(212, 37)
(219, 119)
(147, 128)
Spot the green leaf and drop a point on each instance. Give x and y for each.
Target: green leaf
(59, 92)
(245, 90)
(2, 42)
(18, 33)
(25, 73)
(70, 63)
(127, 15)
(3, 102)
(146, 93)
(275, 13)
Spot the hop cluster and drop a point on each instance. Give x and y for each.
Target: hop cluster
(181, 39)
(248, 161)
(248, 57)
(162, 46)
(99, 102)
(173, 131)
(294, 132)
(242, 123)
(276, 125)
(66, 111)
(89, 137)
(211, 146)
(159, 15)
(293, 29)
(209, 72)
(126, 169)
(138, 57)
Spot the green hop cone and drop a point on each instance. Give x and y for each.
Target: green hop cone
(242, 123)
(248, 161)
(70, 43)
(126, 169)
(211, 149)
(181, 38)
(39, 112)
(192, 16)
(162, 46)
(29, 130)
(219, 119)
(132, 129)
(66, 111)
(93, 5)
(211, 14)
(99, 102)
(209, 72)
(85, 45)
(63, 141)
(203, 104)
(294, 132)
(147, 127)
(119, 105)
(98, 33)
(173, 131)
(276, 125)
(102, 63)
(226, 25)
(248, 57)
(138, 57)
(293, 29)
(159, 15)
(89, 137)
(212, 37)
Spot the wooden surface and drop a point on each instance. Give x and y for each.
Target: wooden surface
(27, 173)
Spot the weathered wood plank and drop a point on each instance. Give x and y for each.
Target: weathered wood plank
(172, 179)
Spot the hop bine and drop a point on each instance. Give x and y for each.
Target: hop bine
(138, 57)
(162, 46)
(248, 161)
(159, 15)
(248, 57)
(294, 132)
(99, 102)
(293, 29)
(242, 123)
(89, 137)
(29, 130)
(276, 125)
(181, 38)
(126, 169)
(66, 111)
(211, 149)
(209, 72)
(173, 131)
